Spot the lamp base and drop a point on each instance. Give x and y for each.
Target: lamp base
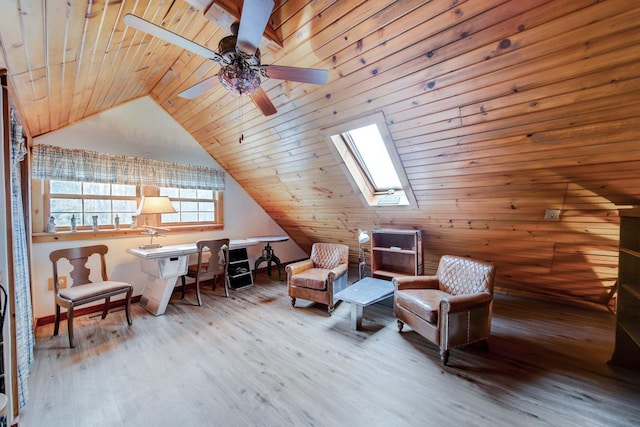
(151, 246)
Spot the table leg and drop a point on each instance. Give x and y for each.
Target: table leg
(268, 256)
(162, 275)
(356, 316)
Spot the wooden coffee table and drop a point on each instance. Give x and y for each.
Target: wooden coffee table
(363, 293)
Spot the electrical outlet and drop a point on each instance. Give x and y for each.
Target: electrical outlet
(62, 282)
(552, 214)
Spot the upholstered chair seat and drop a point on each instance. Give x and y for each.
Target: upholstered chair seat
(450, 309)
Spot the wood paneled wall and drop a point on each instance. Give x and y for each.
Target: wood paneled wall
(498, 109)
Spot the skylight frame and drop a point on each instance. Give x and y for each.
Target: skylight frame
(356, 173)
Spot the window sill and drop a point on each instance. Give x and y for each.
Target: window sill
(106, 233)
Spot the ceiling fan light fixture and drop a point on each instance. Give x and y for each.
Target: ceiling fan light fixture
(239, 78)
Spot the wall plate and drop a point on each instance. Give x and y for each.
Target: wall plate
(552, 214)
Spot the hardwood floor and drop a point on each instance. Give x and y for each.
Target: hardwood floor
(253, 360)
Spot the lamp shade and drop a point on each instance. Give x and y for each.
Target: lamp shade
(363, 237)
(155, 205)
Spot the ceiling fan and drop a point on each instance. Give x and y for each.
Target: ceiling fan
(238, 56)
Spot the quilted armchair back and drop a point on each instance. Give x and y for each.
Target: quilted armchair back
(329, 255)
(459, 275)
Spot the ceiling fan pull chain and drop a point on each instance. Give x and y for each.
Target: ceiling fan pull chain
(241, 120)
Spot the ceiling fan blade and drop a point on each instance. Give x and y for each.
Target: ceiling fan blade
(255, 14)
(199, 88)
(295, 74)
(166, 35)
(263, 102)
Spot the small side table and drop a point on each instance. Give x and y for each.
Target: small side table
(363, 293)
(267, 253)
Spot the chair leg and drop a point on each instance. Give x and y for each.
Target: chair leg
(57, 325)
(400, 325)
(226, 286)
(330, 308)
(127, 307)
(105, 310)
(198, 292)
(444, 356)
(72, 342)
(184, 283)
(293, 301)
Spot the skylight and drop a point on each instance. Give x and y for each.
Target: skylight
(369, 157)
(374, 158)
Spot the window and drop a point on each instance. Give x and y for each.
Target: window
(367, 146)
(81, 184)
(192, 206)
(370, 158)
(83, 200)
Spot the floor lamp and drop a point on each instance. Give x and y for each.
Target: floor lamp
(154, 205)
(363, 237)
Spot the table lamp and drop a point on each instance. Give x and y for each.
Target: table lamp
(154, 205)
(363, 237)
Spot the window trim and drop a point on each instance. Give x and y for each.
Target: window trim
(353, 170)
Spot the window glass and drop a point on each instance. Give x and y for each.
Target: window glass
(374, 158)
(192, 205)
(69, 199)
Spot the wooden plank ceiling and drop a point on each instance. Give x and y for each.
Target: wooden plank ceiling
(498, 109)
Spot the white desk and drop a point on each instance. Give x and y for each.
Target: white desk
(163, 267)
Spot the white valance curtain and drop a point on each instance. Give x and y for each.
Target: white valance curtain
(66, 164)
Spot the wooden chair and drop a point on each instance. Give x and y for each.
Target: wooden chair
(216, 264)
(81, 290)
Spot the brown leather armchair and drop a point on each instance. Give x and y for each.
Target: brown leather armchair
(450, 309)
(321, 276)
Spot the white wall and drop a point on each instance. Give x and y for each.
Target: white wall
(142, 128)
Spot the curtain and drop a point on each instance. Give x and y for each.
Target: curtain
(65, 164)
(25, 339)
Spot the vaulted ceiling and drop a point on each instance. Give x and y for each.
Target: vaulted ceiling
(499, 109)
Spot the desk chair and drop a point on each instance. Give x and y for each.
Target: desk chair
(217, 263)
(81, 290)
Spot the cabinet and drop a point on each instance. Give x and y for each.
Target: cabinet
(627, 348)
(239, 269)
(395, 252)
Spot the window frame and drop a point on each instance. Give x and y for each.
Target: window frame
(84, 196)
(215, 201)
(40, 200)
(355, 171)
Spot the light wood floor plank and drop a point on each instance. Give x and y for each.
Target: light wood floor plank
(253, 360)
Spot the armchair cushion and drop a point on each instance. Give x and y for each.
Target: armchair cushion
(423, 302)
(313, 278)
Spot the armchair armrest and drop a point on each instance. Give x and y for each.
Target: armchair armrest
(297, 267)
(459, 303)
(416, 282)
(337, 271)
